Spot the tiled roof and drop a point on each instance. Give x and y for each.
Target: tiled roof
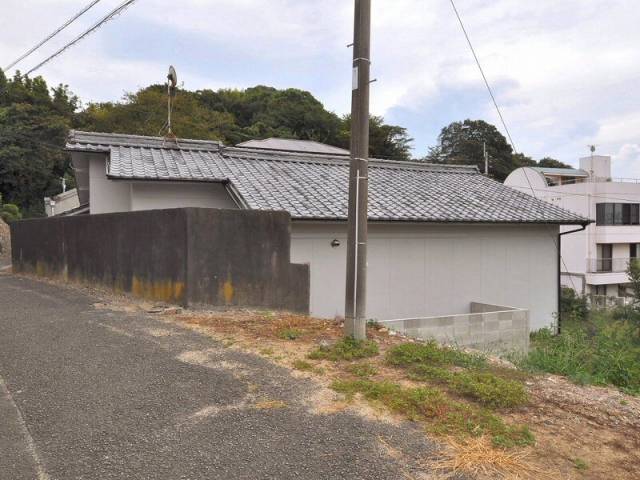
(314, 186)
(285, 144)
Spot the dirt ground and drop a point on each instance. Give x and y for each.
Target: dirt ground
(581, 432)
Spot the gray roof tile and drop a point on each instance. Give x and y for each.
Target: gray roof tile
(315, 186)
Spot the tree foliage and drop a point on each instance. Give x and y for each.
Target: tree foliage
(34, 121)
(463, 142)
(234, 116)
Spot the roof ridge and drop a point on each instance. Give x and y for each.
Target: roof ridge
(142, 141)
(327, 158)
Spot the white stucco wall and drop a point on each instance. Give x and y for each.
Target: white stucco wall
(157, 195)
(107, 196)
(429, 270)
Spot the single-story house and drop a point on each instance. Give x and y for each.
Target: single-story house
(440, 236)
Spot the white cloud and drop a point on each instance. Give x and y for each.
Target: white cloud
(563, 71)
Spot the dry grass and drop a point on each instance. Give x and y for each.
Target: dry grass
(477, 457)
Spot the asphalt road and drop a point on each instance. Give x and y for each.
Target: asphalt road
(89, 393)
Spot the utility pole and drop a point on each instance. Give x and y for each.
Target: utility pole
(356, 287)
(486, 158)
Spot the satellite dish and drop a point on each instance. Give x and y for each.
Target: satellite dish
(172, 77)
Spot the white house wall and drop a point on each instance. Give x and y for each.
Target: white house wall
(106, 196)
(158, 195)
(430, 270)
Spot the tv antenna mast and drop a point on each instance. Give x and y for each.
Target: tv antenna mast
(172, 82)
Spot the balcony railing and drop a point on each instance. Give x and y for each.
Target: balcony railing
(598, 265)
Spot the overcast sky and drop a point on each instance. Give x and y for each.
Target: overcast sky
(566, 72)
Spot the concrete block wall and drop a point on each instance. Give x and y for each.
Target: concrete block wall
(491, 328)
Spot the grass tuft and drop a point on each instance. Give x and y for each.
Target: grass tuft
(431, 353)
(346, 349)
(580, 464)
(363, 370)
(290, 333)
(482, 386)
(302, 365)
(443, 415)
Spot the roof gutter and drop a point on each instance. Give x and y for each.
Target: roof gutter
(560, 234)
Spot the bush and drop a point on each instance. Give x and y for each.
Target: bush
(10, 212)
(430, 353)
(603, 350)
(346, 349)
(573, 306)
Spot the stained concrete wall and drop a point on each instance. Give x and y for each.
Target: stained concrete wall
(425, 270)
(486, 327)
(186, 256)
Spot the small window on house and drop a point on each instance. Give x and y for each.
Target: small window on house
(622, 290)
(601, 290)
(633, 250)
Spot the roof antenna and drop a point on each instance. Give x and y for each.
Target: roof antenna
(172, 82)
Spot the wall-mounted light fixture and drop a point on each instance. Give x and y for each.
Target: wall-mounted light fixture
(335, 243)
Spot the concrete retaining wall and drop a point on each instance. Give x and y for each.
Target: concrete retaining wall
(487, 327)
(186, 256)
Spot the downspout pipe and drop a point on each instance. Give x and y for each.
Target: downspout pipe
(560, 234)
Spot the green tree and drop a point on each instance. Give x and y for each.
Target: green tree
(385, 141)
(34, 122)
(549, 162)
(145, 113)
(462, 143)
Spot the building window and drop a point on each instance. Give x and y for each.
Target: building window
(601, 290)
(622, 290)
(617, 214)
(633, 250)
(605, 260)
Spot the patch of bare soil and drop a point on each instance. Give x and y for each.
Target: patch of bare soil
(582, 431)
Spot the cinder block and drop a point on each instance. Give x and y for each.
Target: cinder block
(444, 321)
(491, 326)
(506, 324)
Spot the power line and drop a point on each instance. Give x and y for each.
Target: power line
(62, 27)
(506, 129)
(97, 25)
(484, 77)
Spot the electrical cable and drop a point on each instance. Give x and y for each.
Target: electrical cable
(97, 25)
(504, 123)
(484, 77)
(56, 32)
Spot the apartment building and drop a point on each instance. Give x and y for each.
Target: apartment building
(594, 260)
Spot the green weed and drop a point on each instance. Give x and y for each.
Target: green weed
(603, 350)
(580, 464)
(302, 365)
(363, 370)
(289, 333)
(346, 349)
(443, 415)
(431, 353)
